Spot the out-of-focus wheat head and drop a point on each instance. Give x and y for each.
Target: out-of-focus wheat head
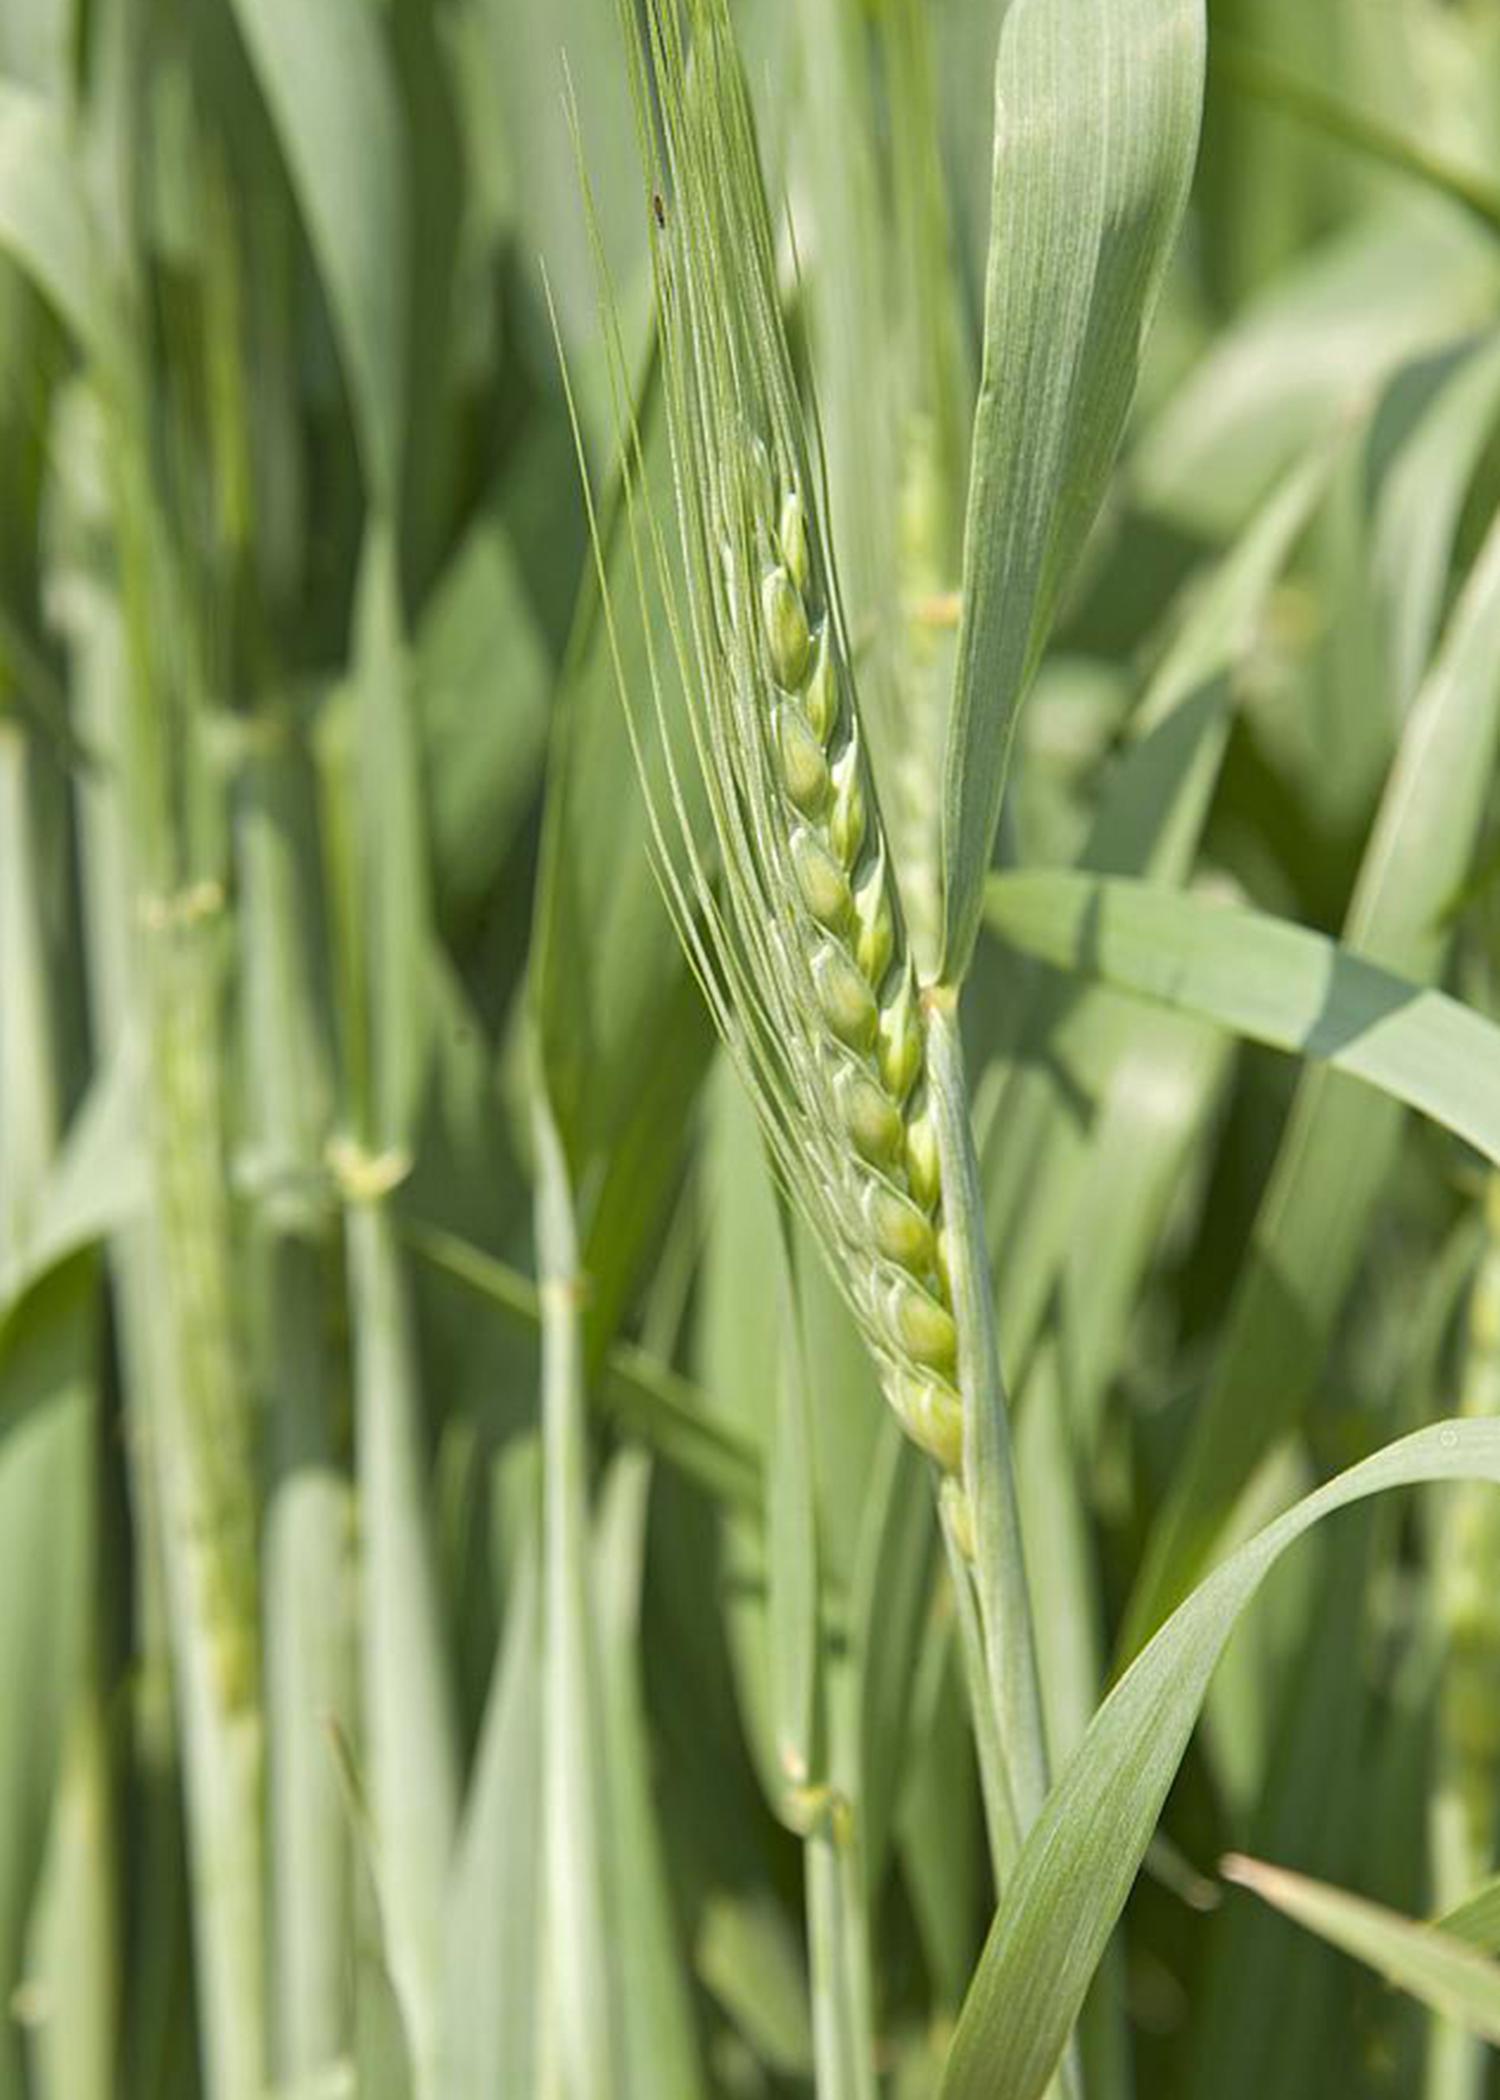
(791, 914)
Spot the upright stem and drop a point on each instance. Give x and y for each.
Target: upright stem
(158, 1924)
(410, 1730)
(200, 1450)
(1466, 1813)
(195, 1428)
(584, 2029)
(307, 1552)
(989, 1489)
(983, 1520)
(837, 1931)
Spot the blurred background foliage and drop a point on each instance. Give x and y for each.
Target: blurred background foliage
(320, 839)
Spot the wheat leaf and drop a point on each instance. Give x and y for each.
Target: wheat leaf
(327, 79)
(1097, 107)
(1430, 1961)
(1266, 980)
(1076, 1869)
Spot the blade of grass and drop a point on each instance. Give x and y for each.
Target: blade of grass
(48, 1346)
(802, 1688)
(74, 1965)
(1075, 1872)
(1463, 1815)
(605, 965)
(1063, 1580)
(792, 1575)
(326, 76)
(154, 2010)
(493, 1965)
(1097, 109)
(377, 871)
(409, 1726)
(1147, 1138)
(939, 1839)
(310, 1613)
(662, 2054)
(1267, 980)
(481, 698)
(890, 1595)
(1421, 507)
(1313, 1801)
(740, 1279)
(1445, 1972)
(583, 2027)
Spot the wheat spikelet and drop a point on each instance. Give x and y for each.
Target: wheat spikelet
(796, 930)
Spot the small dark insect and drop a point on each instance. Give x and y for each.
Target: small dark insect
(659, 209)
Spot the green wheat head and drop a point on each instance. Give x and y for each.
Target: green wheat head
(793, 921)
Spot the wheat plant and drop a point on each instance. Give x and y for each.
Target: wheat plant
(748, 1035)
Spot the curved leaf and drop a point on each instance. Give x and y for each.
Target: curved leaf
(1445, 1972)
(1076, 1869)
(1265, 979)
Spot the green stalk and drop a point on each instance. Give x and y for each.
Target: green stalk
(308, 1531)
(837, 1933)
(1466, 1810)
(200, 1452)
(994, 1777)
(982, 1523)
(309, 1675)
(410, 1727)
(48, 1447)
(817, 1748)
(75, 1954)
(583, 2029)
(158, 1925)
(196, 1439)
(989, 1504)
(376, 879)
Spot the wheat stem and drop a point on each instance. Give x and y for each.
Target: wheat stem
(1465, 1816)
(999, 1572)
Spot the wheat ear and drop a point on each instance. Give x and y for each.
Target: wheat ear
(790, 909)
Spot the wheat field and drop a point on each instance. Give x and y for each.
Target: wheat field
(749, 1039)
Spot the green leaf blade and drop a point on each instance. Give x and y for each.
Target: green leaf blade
(1096, 130)
(1265, 979)
(327, 79)
(1077, 1866)
(1445, 1972)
